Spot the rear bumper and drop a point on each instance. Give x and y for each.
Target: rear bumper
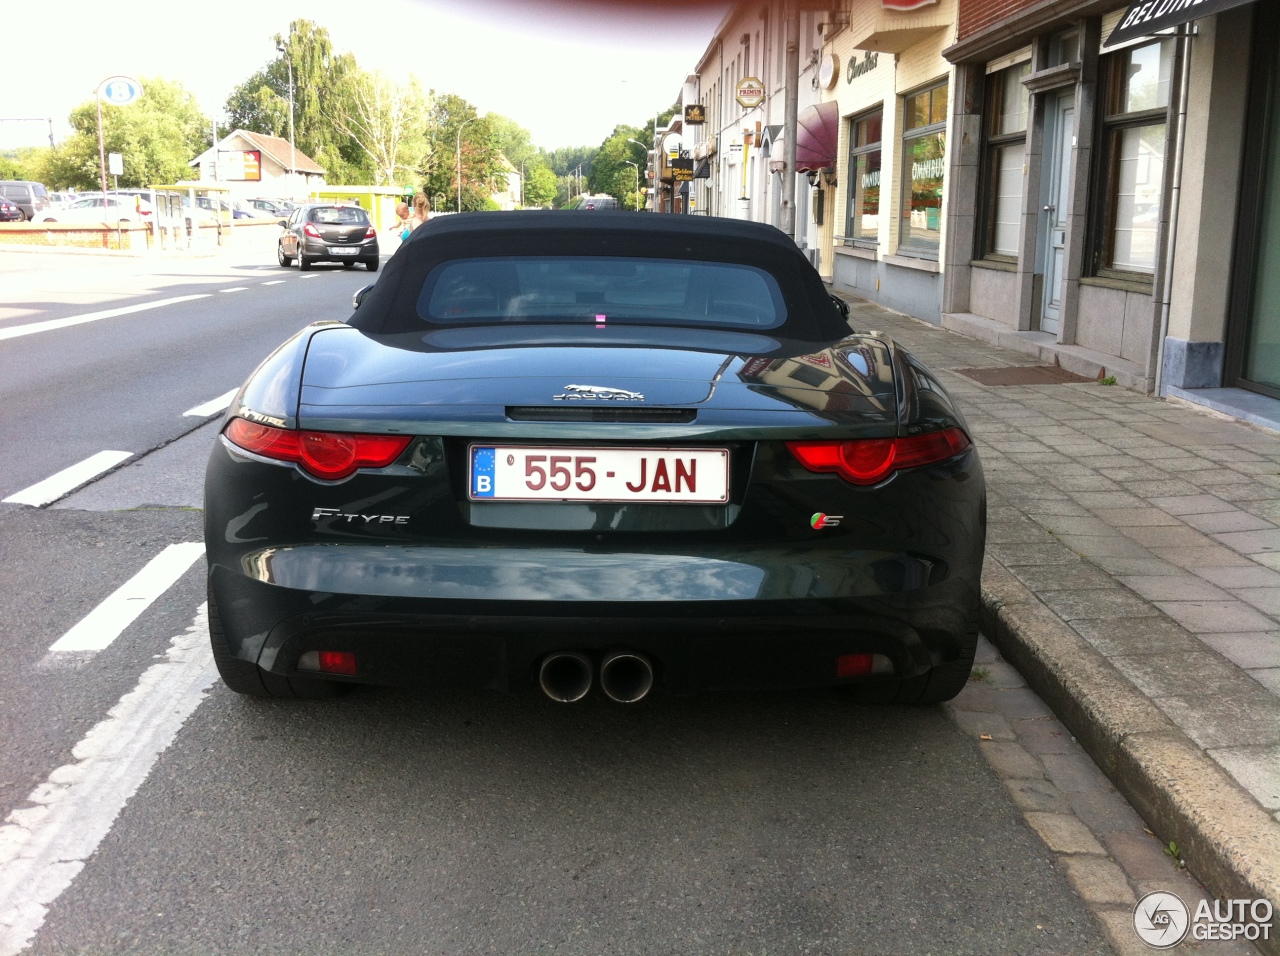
(736, 642)
(340, 251)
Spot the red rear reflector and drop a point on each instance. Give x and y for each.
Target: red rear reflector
(328, 455)
(868, 461)
(854, 665)
(338, 662)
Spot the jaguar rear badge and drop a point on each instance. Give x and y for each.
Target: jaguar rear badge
(577, 393)
(820, 521)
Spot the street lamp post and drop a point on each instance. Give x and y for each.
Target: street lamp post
(651, 153)
(461, 127)
(636, 167)
(293, 155)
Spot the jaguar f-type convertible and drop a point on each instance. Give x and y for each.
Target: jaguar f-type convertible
(555, 452)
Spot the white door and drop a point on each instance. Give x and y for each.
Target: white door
(1060, 138)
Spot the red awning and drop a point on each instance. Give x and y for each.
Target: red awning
(817, 137)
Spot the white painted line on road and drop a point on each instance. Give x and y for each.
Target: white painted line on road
(274, 282)
(314, 275)
(44, 843)
(107, 621)
(236, 288)
(69, 479)
(213, 406)
(32, 328)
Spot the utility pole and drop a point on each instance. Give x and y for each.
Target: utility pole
(293, 156)
(791, 103)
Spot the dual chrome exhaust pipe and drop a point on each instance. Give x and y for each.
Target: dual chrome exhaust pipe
(625, 677)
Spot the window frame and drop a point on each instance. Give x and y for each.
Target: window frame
(992, 144)
(905, 191)
(864, 242)
(1106, 170)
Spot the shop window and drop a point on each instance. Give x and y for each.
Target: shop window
(924, 146)
(1138, 84)
(1004, 160)
(862, 219)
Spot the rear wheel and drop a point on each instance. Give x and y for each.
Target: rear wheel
(284, 260)
(348, 264)
(304, 263)
(251, 680)
(371, 265)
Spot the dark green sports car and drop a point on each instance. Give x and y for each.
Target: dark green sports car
(556, 451)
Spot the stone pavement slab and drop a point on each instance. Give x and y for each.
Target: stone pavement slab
(1133, 578)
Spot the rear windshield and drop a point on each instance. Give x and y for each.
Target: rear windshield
(339, 216)
(601, 290)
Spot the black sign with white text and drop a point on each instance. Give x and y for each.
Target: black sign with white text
(1145, 17)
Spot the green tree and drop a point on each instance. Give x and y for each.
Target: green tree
(387, 120)
(157, 136)
(452, 117)
(261, 103)
(539, 183)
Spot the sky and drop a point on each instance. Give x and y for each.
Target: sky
(567, 71)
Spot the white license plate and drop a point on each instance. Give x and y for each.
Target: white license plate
(529, 473)
(343, 251)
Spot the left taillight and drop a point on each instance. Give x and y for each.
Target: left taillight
(327, 455)
(311, 231)
(869, 461)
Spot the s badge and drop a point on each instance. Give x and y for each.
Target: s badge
(820, 521)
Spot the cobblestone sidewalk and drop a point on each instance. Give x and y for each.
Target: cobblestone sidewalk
(1142, 538)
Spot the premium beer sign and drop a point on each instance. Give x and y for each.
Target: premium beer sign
(695, 115)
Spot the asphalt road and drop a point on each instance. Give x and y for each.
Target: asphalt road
(149, 810)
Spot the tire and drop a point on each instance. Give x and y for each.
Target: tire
(371, 265)
(284, 260)
(348, 264)
(251, 680)
(304, 263)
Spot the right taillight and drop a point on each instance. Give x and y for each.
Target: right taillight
(869, 461)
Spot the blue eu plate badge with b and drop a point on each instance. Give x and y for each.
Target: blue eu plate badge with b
(482, 462)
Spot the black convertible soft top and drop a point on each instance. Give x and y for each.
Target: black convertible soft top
(391, 306)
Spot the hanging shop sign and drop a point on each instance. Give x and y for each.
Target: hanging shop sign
(1145, 17)
(695, 115)
(906, 4)
(749, 92)
(682, 170)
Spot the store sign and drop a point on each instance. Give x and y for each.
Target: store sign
(749, 92)
(906, 4)
(682, 170)
(240, 164)
(695, 115)
(861, 67)
(1145, 17)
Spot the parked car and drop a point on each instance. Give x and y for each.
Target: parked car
(279, 208)
(546, 452)
(9, 211)
(31, 198)
(108, 209)
(61, 200)
(330, 232)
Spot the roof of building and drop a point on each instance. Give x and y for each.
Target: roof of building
(275, 147)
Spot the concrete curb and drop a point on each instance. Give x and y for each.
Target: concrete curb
(1229, 842)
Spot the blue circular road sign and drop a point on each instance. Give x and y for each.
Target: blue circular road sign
(120, 90)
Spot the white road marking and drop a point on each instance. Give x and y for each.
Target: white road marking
(236, 288)
(44, 844)
(55, 486)
(274, 282)
(32, 328)
(313, 275)
(213, 406)
(104, 623)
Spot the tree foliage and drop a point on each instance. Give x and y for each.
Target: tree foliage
(157, 136)
(456, 132)
(388, 121)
